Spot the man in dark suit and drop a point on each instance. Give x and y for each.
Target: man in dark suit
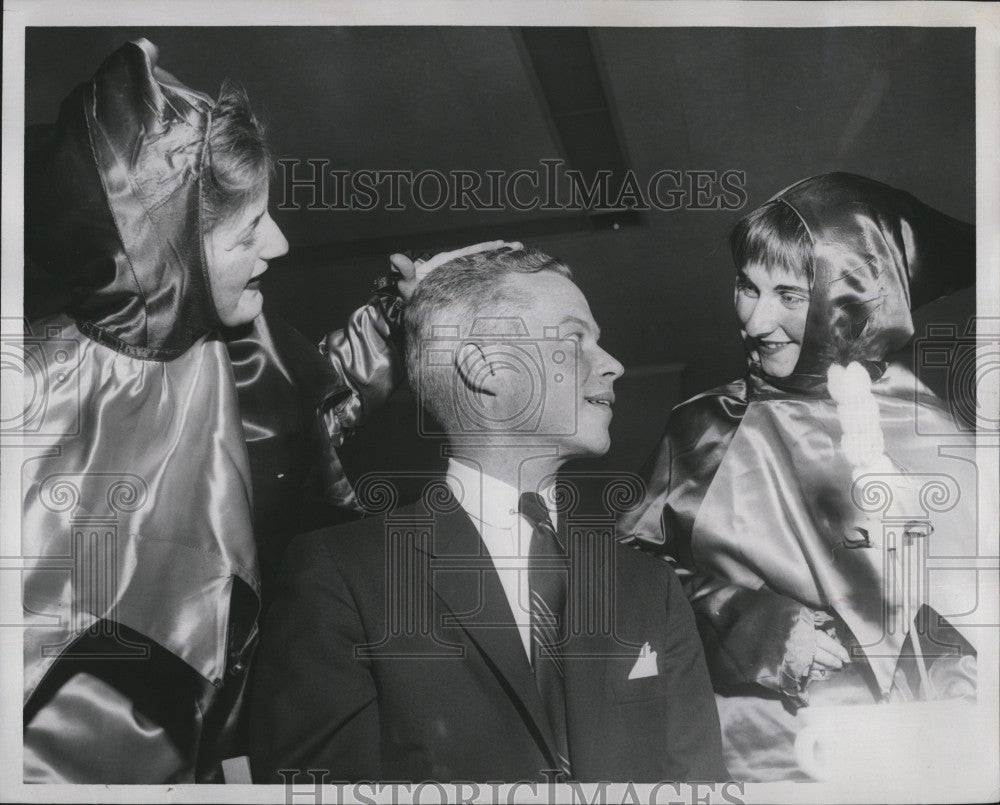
(478, 634)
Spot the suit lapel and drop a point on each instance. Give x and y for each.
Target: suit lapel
(593, 646)
(466, 582)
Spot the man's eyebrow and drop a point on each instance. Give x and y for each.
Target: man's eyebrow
(584, 324)
(797, 288)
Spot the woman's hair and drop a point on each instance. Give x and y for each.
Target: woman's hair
(774, 236)
(238, 161)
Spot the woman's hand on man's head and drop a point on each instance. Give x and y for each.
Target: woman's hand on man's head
(414, 271)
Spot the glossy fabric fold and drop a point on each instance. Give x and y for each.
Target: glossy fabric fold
(879, 253)
(779, 512)
(158, 501)
(134, 732)
(122, 232)
(368, 358)
(137, 503)
(298, 404)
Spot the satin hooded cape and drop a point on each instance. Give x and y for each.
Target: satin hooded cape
(749, 493)
(157, 437)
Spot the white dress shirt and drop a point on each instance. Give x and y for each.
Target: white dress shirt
(492, 505)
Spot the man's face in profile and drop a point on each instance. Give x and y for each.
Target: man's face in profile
(574, 387)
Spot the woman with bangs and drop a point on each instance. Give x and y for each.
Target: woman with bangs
(757, 493)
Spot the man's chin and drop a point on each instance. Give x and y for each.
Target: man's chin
(602, 450)
(592, 448)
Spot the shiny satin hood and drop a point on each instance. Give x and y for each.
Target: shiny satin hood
(112, 206)
(879, 253)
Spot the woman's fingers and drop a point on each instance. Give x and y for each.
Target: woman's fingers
(412, 272)
(423, 269)
(407, 270)
(404, 265)
(834, 646)
(830, 654)
(824, 659)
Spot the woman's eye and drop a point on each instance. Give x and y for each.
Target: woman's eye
(793, 300)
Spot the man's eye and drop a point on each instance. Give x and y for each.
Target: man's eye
(746, 288)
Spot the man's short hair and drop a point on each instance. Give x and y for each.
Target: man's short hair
(456, 294)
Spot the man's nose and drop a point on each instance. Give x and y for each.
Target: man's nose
(610, 365)
(275, 243)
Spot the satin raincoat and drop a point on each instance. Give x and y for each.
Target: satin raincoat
(751, 497)
(165, 453)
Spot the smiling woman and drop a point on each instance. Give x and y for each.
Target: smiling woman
(772, 304)
(774, 264)
(750, 492)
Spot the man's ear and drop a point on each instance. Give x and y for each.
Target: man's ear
(476, 370)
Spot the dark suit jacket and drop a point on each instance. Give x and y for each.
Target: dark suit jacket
(390, 653)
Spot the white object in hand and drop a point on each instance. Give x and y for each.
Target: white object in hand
(858, 412)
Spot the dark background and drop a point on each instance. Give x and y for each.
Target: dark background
(895, 104)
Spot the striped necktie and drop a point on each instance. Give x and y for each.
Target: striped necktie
(547, 582)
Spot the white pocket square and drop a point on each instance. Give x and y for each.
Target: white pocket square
(645, 665)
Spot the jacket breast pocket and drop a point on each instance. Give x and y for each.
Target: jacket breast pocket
(638, 690)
